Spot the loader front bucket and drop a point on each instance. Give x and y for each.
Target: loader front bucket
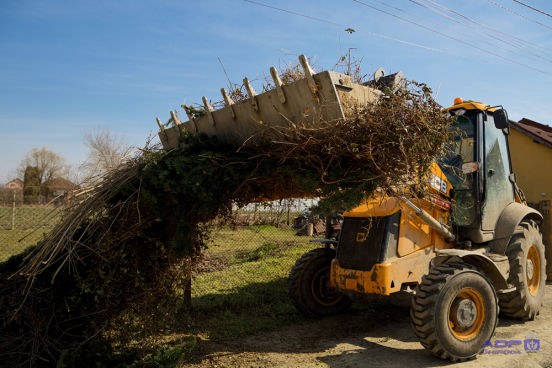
(317, 97)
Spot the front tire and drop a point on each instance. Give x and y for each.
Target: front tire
(309, 287)
(527, 273)
(454, 311)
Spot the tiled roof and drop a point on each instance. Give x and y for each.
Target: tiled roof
(538, 132)
(60, 183)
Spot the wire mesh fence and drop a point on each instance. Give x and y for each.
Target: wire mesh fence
(24, 222)
(239, 282)
(239, 285)
(257, 236)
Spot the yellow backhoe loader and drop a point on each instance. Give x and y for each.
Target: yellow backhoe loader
(471, 247)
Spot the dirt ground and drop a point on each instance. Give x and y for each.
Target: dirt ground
(381, 337)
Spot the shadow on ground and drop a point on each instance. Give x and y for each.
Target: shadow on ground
(265, 310)
(376, 334)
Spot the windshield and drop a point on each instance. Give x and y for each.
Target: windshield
(461, 150)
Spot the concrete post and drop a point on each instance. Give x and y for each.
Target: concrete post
(310, 229)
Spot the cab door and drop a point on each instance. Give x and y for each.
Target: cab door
(499, 191)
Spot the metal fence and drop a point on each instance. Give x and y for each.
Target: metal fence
(238, 284)
(258, 231)
(23, 222)
(262, 230)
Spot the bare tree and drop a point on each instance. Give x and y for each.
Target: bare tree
(47, 165)
(107, 150)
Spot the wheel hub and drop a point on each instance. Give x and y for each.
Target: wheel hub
(466, 313)
(529, 269)
(321, 291)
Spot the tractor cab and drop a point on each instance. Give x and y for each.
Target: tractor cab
(479, 169)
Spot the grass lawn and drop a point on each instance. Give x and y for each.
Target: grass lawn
(250, 293)
(31, 223)
(15, 241)
(244, 290)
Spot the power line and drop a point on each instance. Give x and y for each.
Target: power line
(439, 12)
(530, 7)
(452, 38)
(518, 14)
(519, 43)
(483, 33)
(425, 18)
(396, 39)
(342, 25)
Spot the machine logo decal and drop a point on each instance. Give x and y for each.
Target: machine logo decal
(361, 237)
(438, 183)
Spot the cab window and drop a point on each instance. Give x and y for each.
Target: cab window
(460, 151)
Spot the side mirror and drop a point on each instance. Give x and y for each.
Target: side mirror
(501, 119)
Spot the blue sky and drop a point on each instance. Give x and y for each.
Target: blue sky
(69, 66)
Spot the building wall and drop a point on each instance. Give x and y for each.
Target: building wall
(14, 186)
(532, 163)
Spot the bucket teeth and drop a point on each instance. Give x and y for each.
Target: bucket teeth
(174, 117)
(160, 124)
(278, 84)
(190, 116)
(209, 110)
(228, 102)
(251, 93)
(380, 72)
(206, 104)
(308, 73)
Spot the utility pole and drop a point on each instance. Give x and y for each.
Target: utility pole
(349, 60)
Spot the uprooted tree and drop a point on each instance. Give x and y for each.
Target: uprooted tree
(123, 245)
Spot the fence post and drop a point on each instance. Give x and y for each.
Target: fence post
(329, 227)
(188, 283)
(288, 207)
(13, 211)
(310, 229)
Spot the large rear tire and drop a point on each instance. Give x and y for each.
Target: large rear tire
(454, 311)
(527, 273)
(309, 286)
